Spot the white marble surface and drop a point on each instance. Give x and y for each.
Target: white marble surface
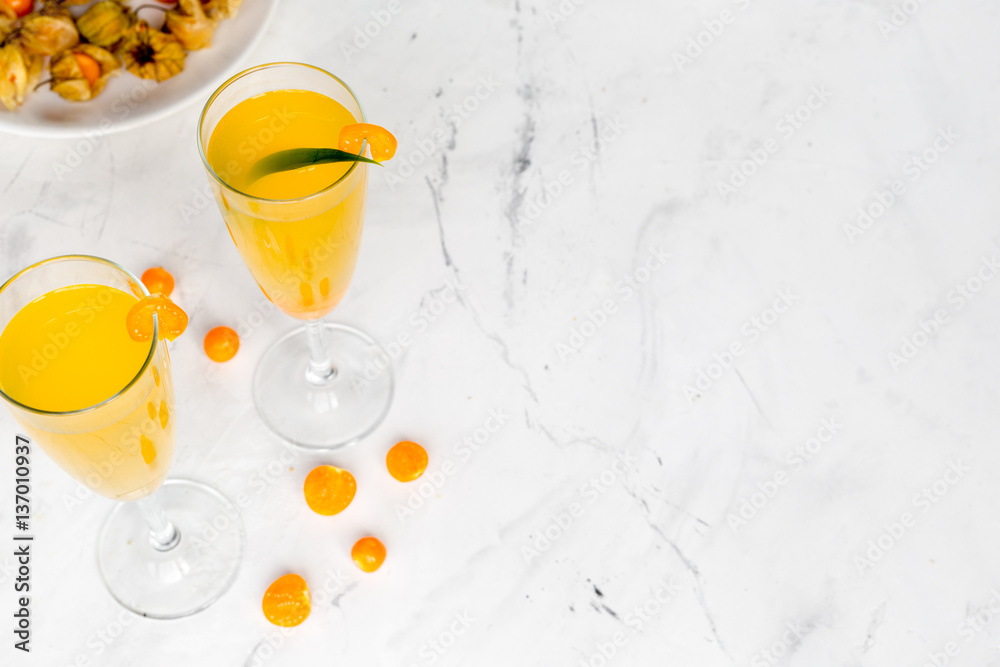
(795, 581)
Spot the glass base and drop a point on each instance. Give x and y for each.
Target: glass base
(190, 576)
(328, 414)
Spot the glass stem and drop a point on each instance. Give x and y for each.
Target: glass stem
(163, 535)
(321, 369)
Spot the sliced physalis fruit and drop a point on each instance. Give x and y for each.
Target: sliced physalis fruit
(221, 344)
(158, 281)
(368, 554)
(173, 321)
(406, 461)
(381, 141)
(286, 601)
(329, 490)
(88, 67)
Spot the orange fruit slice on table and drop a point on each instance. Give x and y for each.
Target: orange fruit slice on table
(406, 461)
(329, 490)
(287, 602)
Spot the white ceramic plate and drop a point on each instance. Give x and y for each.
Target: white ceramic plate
(128, 101)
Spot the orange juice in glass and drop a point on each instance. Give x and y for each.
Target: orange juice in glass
(299, 232)
(101, 405)
(67, 350)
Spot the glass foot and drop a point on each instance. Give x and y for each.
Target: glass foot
(190, 576)
(324, 413)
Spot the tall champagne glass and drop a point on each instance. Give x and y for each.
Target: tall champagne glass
(102, 407)
(323, 385)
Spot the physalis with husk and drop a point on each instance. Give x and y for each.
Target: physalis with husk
(8, 20)
(105, 23)
(189, 24)
(18, 72)
(48, 31)
(149, 53)
(82, 49)
(221, 9)
(80, 73)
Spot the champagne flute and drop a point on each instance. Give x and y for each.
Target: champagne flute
(102, 407)
(324, 385)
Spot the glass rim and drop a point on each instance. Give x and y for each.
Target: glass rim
(149, 357)
(236, 77)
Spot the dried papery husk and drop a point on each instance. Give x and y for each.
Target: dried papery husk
(221, 9)
(149, 53)
(8, 22)
(68, 79)
(105, 23)
(36, 65)
(188, 23)
(48, 31)
(15, 77)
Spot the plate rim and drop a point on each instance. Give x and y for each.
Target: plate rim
(62, 132)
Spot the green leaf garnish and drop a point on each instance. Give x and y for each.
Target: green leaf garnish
(296, 158)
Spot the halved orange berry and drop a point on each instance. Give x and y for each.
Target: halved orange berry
(368, 554)
(406, 461)
(88, 67)
(221, 344)
(286, 601)
(329, 490)
(173, 321)
(381, 141)
(158, 281)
